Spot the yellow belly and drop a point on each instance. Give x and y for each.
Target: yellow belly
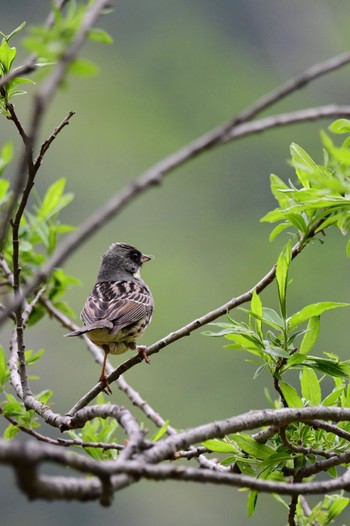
(118, 343)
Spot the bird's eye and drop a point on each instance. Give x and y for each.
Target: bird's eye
(135, 256)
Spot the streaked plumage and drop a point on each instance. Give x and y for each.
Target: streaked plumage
(120, 306)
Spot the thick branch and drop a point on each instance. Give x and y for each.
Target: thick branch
(27, 457)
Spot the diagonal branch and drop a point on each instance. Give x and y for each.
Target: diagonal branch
(196, 324)
(155, 175)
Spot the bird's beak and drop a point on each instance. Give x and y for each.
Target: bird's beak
(145, 258)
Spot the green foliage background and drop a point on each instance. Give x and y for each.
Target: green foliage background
(177, 69)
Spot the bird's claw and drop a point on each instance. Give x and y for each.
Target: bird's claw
(142, 350)
(105, 385)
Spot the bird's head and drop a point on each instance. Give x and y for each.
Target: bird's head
(120, 261)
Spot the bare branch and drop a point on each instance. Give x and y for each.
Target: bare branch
(46, 144)
(27, 457)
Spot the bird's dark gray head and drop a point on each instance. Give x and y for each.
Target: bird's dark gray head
(120, 262)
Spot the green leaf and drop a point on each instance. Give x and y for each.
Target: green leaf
(271, 317)
(310, 336)
(100, 35)
(219, 446)
(257, 310)
(10, 432)
(251, 502)
(4, 186)
(333, 398)
(161, 431)
(252, 447)
(4, 369)
(83, 67)
(280, 458)
(54, 200)
(291, 396)
(39, 228)
(310, 387)
(44, 396)
(282, 268)
(7, 56)
(303, 164)
(312, 310)
(6, 156)
(31, 357)
(340, 126)
(330, 367)
(279, 189)
(297, 220)
(338, 505)
(273, 216)
(277, 230)
(14, 32)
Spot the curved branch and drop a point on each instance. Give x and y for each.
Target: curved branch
(155, 175)
(247, 421)
(27, 457)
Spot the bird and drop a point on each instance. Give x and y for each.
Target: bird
(120, 306)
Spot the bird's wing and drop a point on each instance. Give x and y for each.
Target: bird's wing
(100, 324)
(120, 302)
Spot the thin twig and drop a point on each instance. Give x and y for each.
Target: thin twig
(301, 450)
(47, 143)
(28, 67)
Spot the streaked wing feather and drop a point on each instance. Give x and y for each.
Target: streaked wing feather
(115, 302)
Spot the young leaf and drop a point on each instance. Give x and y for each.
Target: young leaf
(330, 367)
(251, 502)
(333, 397)
(304, 166)
(257, 310)
(100, 35)
(252, 447)
(277, 230)
(10, 432)
(338, 505)
(6, 156)
(282, 268)
(14, 32)
(315, 309)
(310, 387)
(348, 248)
(340, 126)
(219, 446)
(291, 396)
(7, 56)
(161, 431)
(4, 369)
(271, 317)
(310, 336)
(31, 357)
(54, 200)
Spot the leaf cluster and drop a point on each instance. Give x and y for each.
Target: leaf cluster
(49, 44)
(321, 197)
(7, 57)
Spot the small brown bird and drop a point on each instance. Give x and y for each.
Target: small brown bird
(120, 306)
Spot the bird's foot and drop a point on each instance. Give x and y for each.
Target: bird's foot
(142, 349)
(106, 387)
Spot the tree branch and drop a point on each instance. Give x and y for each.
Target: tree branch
(27, 457)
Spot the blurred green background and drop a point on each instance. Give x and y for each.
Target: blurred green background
(176, 70)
